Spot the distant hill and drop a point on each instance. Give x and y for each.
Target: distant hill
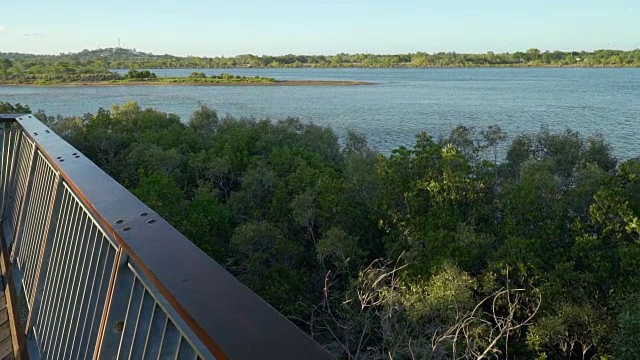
(107, 53)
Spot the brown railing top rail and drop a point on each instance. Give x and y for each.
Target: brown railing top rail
(228, 318)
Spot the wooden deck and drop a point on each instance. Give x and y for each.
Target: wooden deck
(6, 339)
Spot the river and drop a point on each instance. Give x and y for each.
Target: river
(402, 103)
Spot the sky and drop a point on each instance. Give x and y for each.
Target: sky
(276, 27)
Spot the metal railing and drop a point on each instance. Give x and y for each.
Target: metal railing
(101, 275)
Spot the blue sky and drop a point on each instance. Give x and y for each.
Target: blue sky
(214, 28)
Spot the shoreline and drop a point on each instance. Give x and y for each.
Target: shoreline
(161, 83)
(505, 66)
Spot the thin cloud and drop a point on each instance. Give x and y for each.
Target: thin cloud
(2, 28)
(33, 34)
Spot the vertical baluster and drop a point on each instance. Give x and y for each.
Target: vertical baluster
(92, 299)
(133, 309)
(170, 342)
(155, 334)
(105, 280)
(88, 276)
(56, 272)
(11, 149)
(73, 288)
(43, 259)
(119, 303)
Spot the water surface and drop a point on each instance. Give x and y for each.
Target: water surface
(404, 101)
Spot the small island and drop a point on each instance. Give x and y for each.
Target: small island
(82, 76)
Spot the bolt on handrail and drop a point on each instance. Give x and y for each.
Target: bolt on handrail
(103, 276)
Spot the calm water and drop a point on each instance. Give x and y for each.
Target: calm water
(404, 101)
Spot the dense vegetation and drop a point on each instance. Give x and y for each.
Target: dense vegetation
(434, 251)
(118, 58)
(51, 72)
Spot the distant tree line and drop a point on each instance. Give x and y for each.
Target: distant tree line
(53, 71)
(435, 251)
(98, 61)
(57, 71)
